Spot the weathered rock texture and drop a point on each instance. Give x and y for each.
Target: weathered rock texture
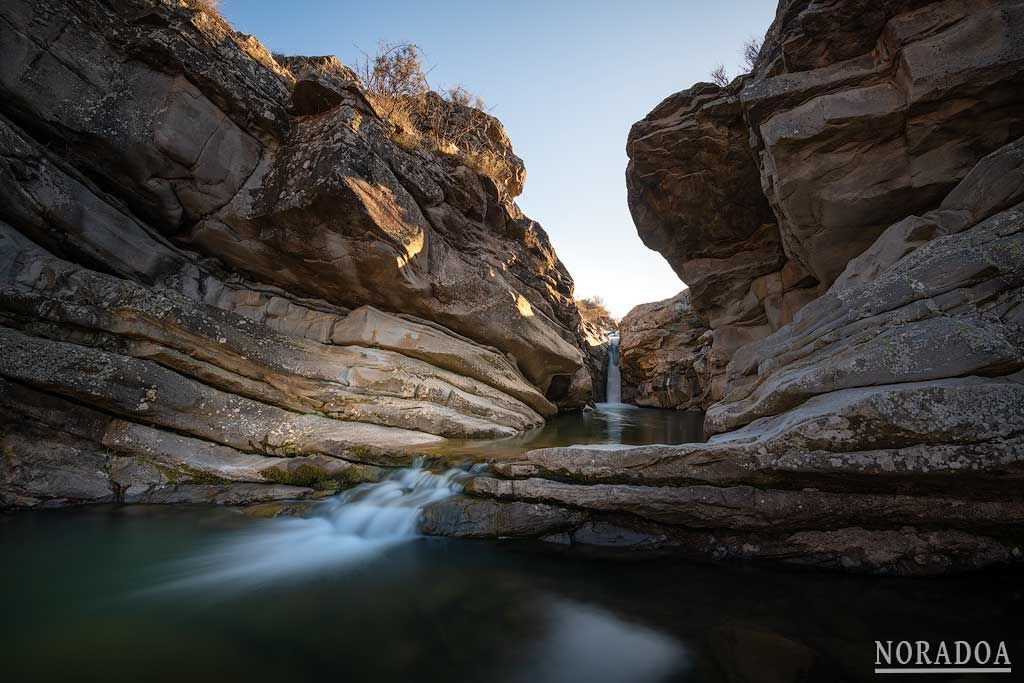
(760, 193)
(874, 158)
(222, 280)
(662, 348)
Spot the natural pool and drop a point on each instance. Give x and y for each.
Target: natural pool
(608, 423)
(350, 593)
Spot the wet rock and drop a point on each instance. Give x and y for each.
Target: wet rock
(467, 517)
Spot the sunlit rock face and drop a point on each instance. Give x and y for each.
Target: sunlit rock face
(850, 219)
(229, 260)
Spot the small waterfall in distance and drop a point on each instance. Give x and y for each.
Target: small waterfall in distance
(613, 391)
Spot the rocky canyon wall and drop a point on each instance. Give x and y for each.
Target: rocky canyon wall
(857, 115)
(663, 355)
(850, 221)
(221, 277)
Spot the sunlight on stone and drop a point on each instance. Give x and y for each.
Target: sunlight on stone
(525, 309)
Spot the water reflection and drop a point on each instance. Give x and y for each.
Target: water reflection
(73, 585)
(606, 424)
(583, 643)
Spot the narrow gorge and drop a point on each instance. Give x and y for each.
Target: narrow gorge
(848, 220)
(228, 276)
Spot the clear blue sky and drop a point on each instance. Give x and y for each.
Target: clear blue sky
(567, 78)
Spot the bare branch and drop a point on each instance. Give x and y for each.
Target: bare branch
(719, 76)
(751, 52)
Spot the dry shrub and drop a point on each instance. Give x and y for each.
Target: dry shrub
(450, 122)
(487, 163)
(593, 310)
(751, 51)
(210, 6)
(719, 77)
(395, 81)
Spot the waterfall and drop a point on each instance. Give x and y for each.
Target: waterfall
(350, 528)
(613, 392)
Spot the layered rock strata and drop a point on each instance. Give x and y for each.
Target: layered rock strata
(849, 218)
(222, 279)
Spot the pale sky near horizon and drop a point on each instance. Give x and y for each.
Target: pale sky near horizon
(567, 79)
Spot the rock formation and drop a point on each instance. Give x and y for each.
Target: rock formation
(662, 349)
(222, 279)
(597, 324)
(850, 221)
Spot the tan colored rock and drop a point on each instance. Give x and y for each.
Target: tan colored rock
(186, 217)
(662, 349)
(341, 213)
(371, 328)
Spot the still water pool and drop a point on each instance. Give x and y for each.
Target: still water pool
(608, 423)
(349, 592)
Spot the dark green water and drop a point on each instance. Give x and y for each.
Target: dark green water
(351, 594)
(609, 423)
(121, 594)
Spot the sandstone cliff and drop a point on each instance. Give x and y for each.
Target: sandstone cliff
(850, 221)
(222, 279)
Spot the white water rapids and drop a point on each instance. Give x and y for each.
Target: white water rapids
(351, 527)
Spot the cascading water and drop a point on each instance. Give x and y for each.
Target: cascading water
(356, 525)
(613, 391)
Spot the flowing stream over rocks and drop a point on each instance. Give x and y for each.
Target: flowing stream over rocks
(361, 523)
(353, 527)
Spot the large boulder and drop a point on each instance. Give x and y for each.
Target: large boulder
(229, 268)
(695, 196)
(857, 114)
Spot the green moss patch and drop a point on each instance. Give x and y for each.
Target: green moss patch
(306, 475)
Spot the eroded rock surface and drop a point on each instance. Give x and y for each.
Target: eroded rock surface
(760, 193)
(663, 348)
(222, 280)
(850, 220)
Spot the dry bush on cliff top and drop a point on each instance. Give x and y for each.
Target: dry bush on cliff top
(719, 77)
(751, 52)
(396, 83)
(593, 310)
(211, 6)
